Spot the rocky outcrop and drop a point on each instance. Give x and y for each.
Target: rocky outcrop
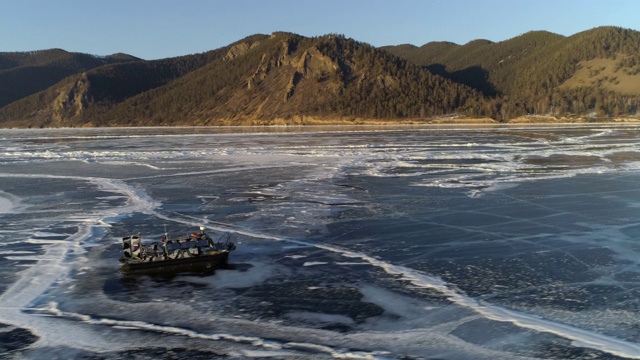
(71, 100)
(239, 50)
(388, 82)
(310, 65)
(313, 64)
(270, 62)
(291, 87)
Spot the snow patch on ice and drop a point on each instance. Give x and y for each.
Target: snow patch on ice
(8, 203)
(314, 263)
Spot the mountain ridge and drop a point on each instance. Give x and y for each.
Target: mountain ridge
(283, 78)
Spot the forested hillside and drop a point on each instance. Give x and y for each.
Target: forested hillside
(285, 78)
(259, 80)
(287, 75)
(543, 73)
(24, 73)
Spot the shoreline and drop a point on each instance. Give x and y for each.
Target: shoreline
(305, 121)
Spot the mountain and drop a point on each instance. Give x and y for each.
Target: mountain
(482, 64)
(285, 78)
(24, 73)
(595, 72)
(259, 80)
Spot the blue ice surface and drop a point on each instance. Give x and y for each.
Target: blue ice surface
(371, 242)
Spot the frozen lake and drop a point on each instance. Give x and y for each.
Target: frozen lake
(432, 242)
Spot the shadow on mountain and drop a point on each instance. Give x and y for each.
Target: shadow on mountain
(24, 81)
(473, 76)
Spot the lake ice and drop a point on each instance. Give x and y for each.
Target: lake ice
(449, 242)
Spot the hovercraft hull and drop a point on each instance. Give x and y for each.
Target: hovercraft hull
(200, 264)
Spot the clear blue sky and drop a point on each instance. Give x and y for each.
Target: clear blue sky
(153, 29)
